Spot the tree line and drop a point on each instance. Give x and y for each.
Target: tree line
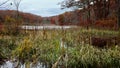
(93, 12)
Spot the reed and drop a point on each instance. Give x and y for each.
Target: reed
(78, 53)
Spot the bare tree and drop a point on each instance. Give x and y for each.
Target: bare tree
(17, 4)
(118, 12)
(4, 2)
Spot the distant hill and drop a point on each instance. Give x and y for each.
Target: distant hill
(27, 18)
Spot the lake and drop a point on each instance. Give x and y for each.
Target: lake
(46, 27)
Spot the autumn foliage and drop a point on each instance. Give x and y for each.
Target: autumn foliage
(101, 14)
(26, 17)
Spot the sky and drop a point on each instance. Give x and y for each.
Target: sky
(43, 8)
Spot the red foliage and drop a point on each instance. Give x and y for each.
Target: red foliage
(61, 19)
(52, 20)
(1, 26)
(26, 17)
(106, 24)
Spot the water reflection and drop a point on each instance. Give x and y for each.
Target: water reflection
(46, 27)
(10, 64)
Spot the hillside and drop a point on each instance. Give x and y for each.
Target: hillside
(97, 15)
(26, 18)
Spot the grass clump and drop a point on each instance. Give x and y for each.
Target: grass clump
(78, 53)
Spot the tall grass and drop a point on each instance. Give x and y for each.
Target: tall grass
(32, 48)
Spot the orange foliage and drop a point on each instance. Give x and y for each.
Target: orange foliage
(106, 23)
(52, 20)
(0, 26)
(61, 19)
(26, 17)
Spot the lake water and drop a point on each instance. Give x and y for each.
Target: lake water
(46, 27)
(10, 64)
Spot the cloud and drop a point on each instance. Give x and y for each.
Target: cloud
(40, 7)
(46, 11)
(40, 3)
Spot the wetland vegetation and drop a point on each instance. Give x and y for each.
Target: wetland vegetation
(69, 48)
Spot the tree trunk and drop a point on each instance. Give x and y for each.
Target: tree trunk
(118, 13)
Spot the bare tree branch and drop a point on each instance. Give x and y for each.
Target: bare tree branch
(4, 2)
(17, 3)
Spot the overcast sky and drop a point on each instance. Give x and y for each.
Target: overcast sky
(41, 7)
